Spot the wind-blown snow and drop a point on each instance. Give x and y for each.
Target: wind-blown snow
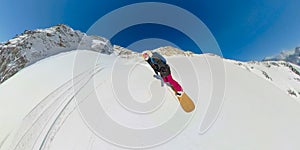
(256, 114)
(292, 56)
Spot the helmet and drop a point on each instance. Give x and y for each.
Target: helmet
(147, 54)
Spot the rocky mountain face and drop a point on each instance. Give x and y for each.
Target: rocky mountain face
(34, 45)
(292, 56)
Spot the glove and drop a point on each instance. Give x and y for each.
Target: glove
(157, 76)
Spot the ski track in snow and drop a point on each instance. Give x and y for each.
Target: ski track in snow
(61, 98)
(61, 118)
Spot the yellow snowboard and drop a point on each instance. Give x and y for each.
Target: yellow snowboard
(186, 103)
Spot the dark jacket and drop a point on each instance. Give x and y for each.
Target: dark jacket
(159, 66)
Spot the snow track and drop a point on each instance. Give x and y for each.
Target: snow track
(48, 113)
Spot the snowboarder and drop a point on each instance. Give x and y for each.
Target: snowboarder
(159, 64)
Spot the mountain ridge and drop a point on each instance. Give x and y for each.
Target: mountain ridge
(34, 45)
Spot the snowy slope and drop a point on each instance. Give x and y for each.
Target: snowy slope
(284, 75)
(34, 45)
(59, 111)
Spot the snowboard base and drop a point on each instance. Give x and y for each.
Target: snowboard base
(186, 103)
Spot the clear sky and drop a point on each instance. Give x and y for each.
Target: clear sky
(245, 29)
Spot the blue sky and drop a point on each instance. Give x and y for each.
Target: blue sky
(244, 29)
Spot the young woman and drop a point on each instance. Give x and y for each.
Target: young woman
(161, 67)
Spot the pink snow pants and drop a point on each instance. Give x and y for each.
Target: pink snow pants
(175, 84)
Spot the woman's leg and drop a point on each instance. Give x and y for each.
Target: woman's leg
(165, 79)
(174, 83)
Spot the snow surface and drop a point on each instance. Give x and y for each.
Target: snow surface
(52, 105)
(284, 75)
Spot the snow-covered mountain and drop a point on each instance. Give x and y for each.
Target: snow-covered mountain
(165, 51)
(124, 52)
(62, 101)
(111, 104)
(292, 56)
(32, 46)
(172, 51)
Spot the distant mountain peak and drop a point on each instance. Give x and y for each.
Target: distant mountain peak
(172, 51)
(166, 51)
(292, 56)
